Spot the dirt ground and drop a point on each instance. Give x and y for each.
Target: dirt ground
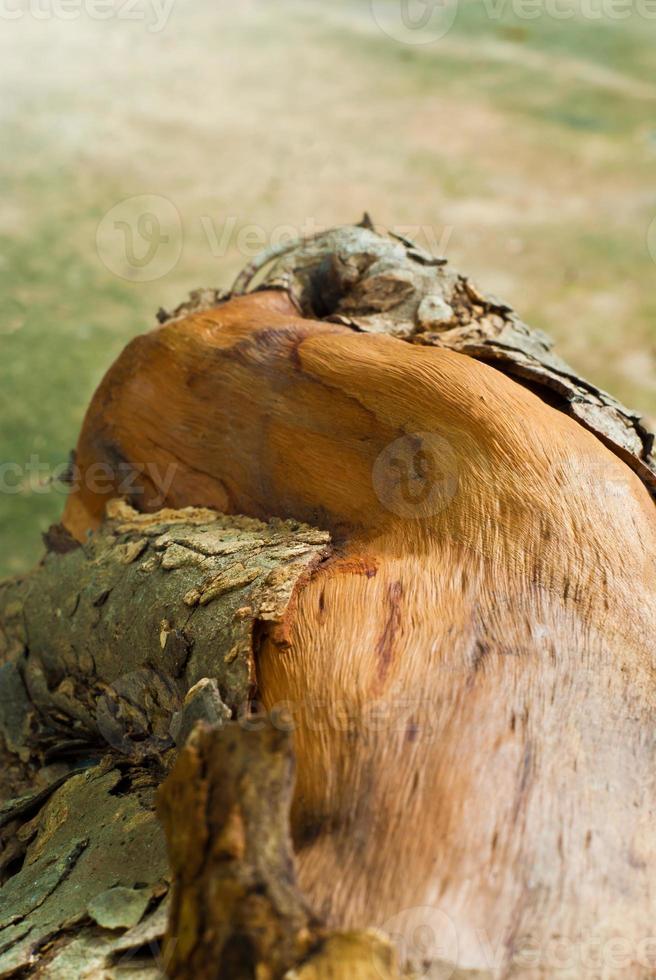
(143, 156)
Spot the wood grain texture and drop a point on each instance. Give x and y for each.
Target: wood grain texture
(492, 589)
(387, 284)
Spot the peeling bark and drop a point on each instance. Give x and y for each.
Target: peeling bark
(520, 623)
(99, 646)
(235, 908)
(111, 652)
(95, 843)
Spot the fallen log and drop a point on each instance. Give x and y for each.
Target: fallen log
(184, 593)
(469, 675)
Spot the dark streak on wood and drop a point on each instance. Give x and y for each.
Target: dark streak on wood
(385, 645)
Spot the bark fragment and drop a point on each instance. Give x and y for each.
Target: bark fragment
(90, 838)
(235, 908)
(100, 645)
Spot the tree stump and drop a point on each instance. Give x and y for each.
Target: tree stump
(433, 567)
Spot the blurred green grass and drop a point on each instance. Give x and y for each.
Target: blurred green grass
(531, 142)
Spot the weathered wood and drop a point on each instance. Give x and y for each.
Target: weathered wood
(459, 716)
(235, 908)
(388, 284)
(110, 653)
(94, 853)
(470, 678)
(100, 645)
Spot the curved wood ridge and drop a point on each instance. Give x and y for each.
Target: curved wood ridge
(471, 675)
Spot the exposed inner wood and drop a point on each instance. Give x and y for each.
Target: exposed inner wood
(471, 676)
